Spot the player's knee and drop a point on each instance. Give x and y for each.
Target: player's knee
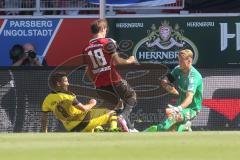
(119, 105)
(132, 101)
(132, 98)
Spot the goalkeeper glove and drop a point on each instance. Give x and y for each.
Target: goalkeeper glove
(178, 108)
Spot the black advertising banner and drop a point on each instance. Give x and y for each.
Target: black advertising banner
(215, 41)
(20, 102)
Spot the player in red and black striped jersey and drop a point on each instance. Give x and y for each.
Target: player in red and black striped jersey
(100, 62)
(101, 57)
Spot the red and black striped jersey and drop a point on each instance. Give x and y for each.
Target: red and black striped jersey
(98, 57)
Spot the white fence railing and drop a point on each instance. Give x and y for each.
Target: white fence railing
(72, 5)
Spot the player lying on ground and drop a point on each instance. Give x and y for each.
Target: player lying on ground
(189, 103)
(75, 116)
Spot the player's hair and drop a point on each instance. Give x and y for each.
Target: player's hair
(56, 77)
(186, 53)
(98, 25)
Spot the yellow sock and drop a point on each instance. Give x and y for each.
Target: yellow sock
(113, 122)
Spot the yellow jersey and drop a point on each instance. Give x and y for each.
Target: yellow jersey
(61, 104)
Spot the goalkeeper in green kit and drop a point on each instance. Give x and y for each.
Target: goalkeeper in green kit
(189, 81)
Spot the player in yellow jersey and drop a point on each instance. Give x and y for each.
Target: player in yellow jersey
(75, 116)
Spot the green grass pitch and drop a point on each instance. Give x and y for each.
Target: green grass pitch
(120, 146)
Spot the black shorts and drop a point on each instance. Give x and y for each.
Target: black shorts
(113, 93)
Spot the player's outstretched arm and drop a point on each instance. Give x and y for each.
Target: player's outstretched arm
(121, 61)
(44, 122)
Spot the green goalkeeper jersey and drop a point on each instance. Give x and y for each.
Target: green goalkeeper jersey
(191, 82)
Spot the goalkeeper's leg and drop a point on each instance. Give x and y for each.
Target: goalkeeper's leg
(163, 126)
(186, 127)
(188, 115)
(151, 129)
(172, 118)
